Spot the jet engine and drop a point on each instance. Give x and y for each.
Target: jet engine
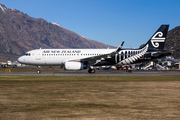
(73, 66)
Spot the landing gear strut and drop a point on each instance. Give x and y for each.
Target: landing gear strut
(91, 70)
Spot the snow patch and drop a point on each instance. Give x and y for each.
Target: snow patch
(13, 9)
(85, 38)
(2, 7)
(55, 24)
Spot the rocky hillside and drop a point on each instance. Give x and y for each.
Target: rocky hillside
(173, 42)
(20, 33)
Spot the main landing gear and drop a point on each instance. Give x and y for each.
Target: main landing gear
(91, 70)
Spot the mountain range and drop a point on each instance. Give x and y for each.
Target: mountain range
(173, 42)
(20, 33)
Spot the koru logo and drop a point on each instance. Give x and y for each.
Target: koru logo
(156, 39)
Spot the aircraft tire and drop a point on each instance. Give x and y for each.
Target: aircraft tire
(91, 70)
(38, 71)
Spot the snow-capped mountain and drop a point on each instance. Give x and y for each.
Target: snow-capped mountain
(20, 33)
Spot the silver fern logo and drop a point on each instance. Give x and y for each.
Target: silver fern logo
(157, 38)
(133, 58)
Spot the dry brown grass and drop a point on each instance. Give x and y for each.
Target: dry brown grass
(95, 98)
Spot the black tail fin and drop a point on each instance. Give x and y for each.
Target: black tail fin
(157, 41)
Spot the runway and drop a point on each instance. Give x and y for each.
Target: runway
(98, 73)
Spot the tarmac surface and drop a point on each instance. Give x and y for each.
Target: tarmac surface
(98, 73)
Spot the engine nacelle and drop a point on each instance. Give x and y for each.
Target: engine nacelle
(73, 66)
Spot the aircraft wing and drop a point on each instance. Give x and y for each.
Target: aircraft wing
(93, 59)
(3, 63)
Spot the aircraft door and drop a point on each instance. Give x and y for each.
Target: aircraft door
(38, 55)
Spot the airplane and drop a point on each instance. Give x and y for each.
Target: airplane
(8, 64)
(79, 59)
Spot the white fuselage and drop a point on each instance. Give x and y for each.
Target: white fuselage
(59, 56)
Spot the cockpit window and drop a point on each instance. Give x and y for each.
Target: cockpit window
(27, 54)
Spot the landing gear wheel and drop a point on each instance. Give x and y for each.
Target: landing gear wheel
(91, 70)
(38, 71)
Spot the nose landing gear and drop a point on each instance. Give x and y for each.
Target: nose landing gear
(38, 70)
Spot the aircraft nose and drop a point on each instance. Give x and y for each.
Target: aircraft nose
(20, 59)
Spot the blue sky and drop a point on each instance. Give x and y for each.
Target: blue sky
(106, 21)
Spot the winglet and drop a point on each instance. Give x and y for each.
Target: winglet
(119, 48)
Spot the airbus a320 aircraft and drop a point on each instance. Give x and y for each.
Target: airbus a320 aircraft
(78, 59)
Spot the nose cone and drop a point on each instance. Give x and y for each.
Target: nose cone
(9, 62)
(20, 59)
